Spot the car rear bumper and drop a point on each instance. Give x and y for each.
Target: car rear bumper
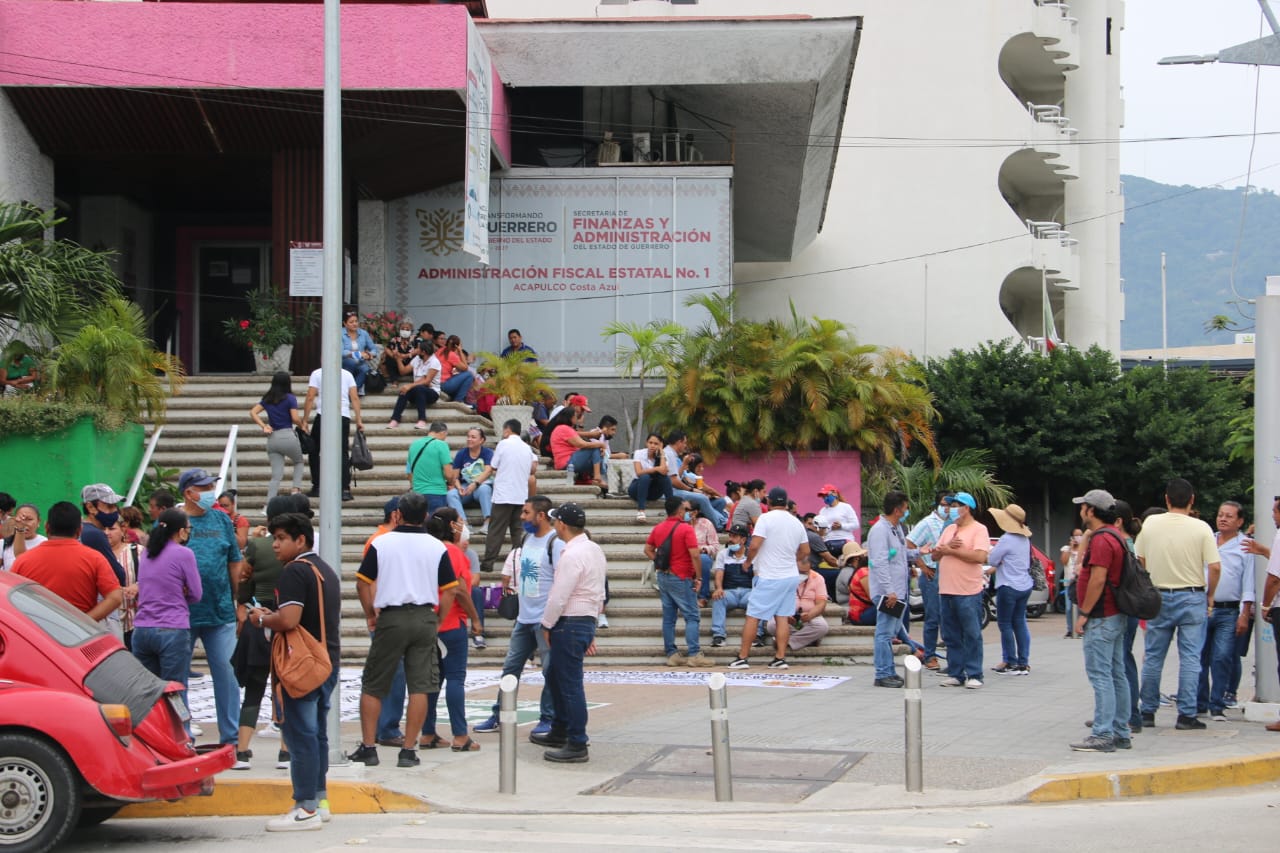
(189, 777)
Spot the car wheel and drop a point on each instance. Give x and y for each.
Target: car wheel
(39, 794)
(1035, 611)
(94, 815)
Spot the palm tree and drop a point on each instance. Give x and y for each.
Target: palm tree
(112, 362)
(46, 286)
(969, 470)
(651, 347)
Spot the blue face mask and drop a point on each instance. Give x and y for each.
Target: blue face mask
(733, 547)
(529, 527)
(941, 511)
(207, 499)
(906, 513)
(953, 514)
(107, 519)
(830, 500)
(688, 516)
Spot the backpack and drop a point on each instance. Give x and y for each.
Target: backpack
(1135, 595)
(662, 556)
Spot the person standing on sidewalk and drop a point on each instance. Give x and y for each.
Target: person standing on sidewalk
(961, 551)
(1232, 612)
(511, 468)
(925, 535)
(1176, 548)
(574, 603)
(1271, 590)
(678, 583)
(308, 595)
(889, 576)
(778, 544)
(1102, 625)
(1012, 558)
(1070, 559)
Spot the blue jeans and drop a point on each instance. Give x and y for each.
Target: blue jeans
(563, 674)
(525, 640)
(677, 595)
(649, 487)
(1069, 608)
(707, 508)
(1185, 612)
(453, 672)
(420, 395)
(359, 368)
(887, 628)
(962, 626)
(932, 612)
(219, 644)
(1104, 664)
(165, 652)
(483, 495)
(584, 460)
(720, 607)
(705, 591)
(305, 731)
(1216, 658)
(1011, 616)
(458, 385)
(1131, 672)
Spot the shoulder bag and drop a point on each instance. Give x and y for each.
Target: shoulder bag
(299, 661)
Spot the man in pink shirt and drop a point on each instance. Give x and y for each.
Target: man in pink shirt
(575, 601)
(808, 625)
(961, 552)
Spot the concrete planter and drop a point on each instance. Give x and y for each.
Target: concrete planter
(269, 363)
(44, 469)
(800, 474)
(501, 414)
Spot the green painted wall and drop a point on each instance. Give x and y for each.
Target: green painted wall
(45, 469)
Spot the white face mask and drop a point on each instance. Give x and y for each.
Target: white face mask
(406, 334)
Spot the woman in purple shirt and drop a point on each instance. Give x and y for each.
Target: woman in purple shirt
(168, 584)
(281, 409)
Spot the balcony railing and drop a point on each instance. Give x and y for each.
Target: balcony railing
(1051, 114)
(1061, 7)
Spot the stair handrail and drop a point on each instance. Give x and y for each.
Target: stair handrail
(227, 474)
(142, 467)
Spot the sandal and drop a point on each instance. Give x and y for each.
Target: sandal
(435, 743)
(467, 745)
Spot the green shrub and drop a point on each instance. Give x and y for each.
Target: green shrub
(30, 415)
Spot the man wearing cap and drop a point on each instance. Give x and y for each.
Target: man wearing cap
(101, 507)
(574, 603)
(1011, 558)
(1176, 549)
(924, 536)
(778, 544)
(1102, 625)
(961, 552)
(213, 618)
(731, 584)
(889, 573)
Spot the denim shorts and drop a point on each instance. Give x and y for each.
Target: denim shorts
(773, 597)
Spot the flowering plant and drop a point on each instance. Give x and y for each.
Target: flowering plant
(270, 325)
(382, 326)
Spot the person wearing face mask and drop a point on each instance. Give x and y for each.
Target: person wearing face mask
(530, 573)
(213, 619)
(961, 552)
(889, 574)
(840, 518)
(397, 357)
(731, 584)
(101, 510)
(925, 535)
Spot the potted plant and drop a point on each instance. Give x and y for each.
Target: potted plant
(270, 329)
(382, 326)
(516, 381)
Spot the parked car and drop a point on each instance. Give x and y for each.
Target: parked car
(84, 728)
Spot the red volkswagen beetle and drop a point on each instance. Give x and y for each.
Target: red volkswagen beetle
(84, 728)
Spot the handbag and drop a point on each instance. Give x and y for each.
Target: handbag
(509, 606)
(361, 458)
(299, 661)
(305, 442)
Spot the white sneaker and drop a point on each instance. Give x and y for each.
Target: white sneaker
(196, 731)
(973, 684)
(269, 730)
(951, 682)
(602, 621)
(323, 811)
(297, 820)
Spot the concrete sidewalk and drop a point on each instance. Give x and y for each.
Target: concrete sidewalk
(804, 749)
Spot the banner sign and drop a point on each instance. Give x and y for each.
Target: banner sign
(479, 116)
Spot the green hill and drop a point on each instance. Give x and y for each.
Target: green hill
(1196, 228)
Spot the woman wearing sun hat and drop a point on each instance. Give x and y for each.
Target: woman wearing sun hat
(1011, 558)
(840, 518)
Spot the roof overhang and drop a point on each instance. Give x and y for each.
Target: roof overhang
(782, 83)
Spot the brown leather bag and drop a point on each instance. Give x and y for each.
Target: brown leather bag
(299, 661)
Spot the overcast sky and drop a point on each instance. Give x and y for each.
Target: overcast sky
(1196, 100)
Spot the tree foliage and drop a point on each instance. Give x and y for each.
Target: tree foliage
(970, 470)
(1071, 420)
(738, 386)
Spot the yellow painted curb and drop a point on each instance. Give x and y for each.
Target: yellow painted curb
(1174, 779)
(250, 797)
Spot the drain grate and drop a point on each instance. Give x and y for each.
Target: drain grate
(759, 775)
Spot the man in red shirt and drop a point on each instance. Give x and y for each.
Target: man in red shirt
(75, 572)
(678, 583)
(1102, 625)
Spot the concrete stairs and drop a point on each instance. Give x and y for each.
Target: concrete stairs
(195, 435)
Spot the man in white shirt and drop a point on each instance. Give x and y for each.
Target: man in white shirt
(510, 469)
(778, 545)
(350, 407)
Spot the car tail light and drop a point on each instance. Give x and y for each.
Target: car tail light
(118, 719)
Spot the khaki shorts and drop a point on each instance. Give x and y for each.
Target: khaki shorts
(408, 633)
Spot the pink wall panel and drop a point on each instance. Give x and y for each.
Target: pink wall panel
(843, 469)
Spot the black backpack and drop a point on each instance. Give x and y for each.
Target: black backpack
(662, 556)
(1135, 595)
